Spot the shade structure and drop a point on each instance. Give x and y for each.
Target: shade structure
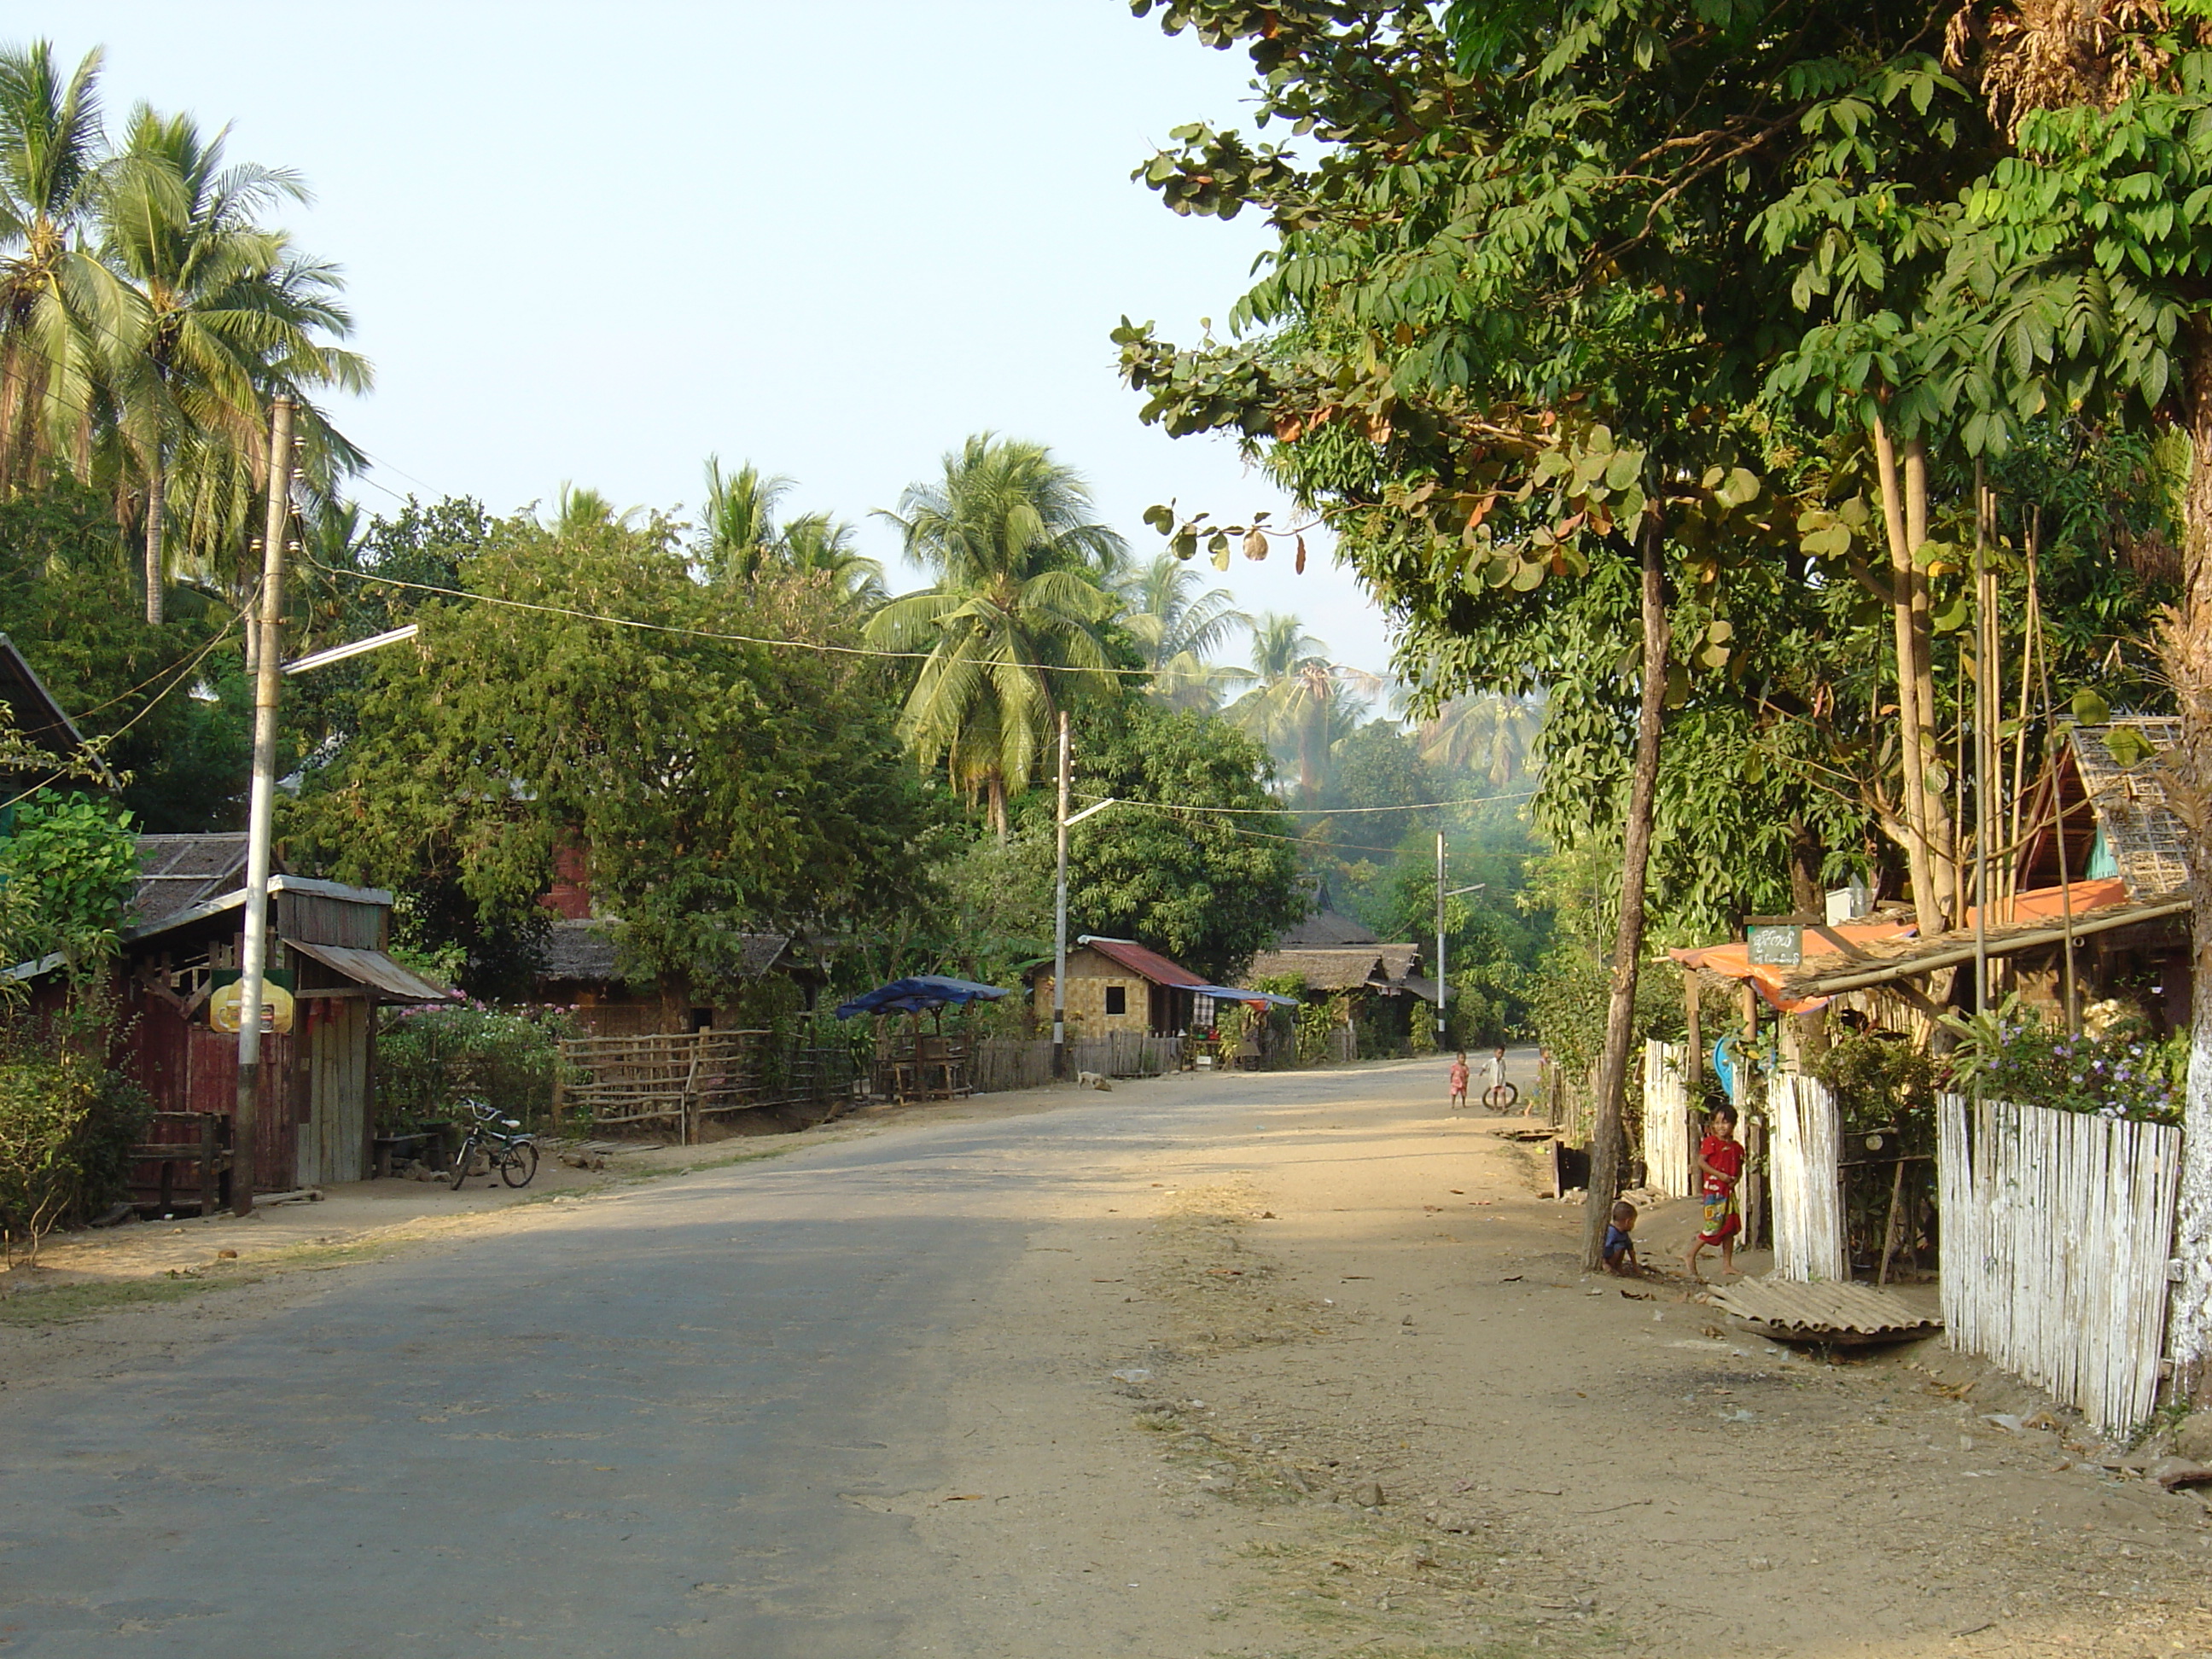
(1224, 994)
(918, 995)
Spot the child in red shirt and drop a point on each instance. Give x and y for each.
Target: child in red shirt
(1458, 1081)
(1720, 1166)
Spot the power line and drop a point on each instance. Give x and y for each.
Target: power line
(1312, 812)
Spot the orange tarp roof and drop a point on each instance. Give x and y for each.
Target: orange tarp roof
(1733, 960)
(2039, 904)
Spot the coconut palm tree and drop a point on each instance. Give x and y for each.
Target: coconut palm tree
(740, 526)
(200, 316)
(815, 545)
(1178, 628)
(1483, 732)
(1299, 705)
(1013, 623)
(50, 151)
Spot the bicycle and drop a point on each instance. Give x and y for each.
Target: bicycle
(511, 1149)
(1501, 1097)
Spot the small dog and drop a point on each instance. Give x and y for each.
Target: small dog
(1092, 1081)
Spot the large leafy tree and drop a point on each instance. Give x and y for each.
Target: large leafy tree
(1015, 622)
(711, 785)
(1201, 863)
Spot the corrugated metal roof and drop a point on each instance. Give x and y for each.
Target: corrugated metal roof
(1151, 964)
(176, 872)
(375, 969)
(587, 949)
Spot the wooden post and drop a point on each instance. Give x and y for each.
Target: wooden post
(208, 1178)
(560, 1082)
(1694, 1070)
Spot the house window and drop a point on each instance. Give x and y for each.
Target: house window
(1117, 999)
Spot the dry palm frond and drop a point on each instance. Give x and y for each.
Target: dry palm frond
(2049, 54)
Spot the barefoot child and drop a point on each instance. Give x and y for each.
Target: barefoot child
(1458, 1081)
(1720, 1165)
(1619, 1245)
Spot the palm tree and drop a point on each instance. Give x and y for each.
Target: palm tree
(1178, 628)
(50, 148)
(1013, 623)
(1485, 732)
(740, 513)
(815, 545)
(1299, 707)
(201, 316)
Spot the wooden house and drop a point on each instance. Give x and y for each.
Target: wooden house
(327, 950)
(578, 966)
(1116, 985)
(1374, 986)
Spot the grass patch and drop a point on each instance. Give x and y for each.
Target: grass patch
(66, 1304)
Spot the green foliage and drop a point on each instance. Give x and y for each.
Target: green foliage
(428, 1058)
(713, 786)
(69, 1117)
(67, 872)
(1207, 888)
(1567, 999)
(2011, 1053)
(1880, 1080)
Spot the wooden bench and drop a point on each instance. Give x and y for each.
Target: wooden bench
(208, 1152)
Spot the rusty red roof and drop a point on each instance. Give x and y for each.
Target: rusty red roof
(1138, 960)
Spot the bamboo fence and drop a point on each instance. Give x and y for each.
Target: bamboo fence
(1805, 1161)
(1668, 1133)
(1001, 1064)
(2058, 1227)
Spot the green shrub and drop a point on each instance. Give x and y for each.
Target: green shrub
(68, 1121)
(427, 1058)
(2012, 1053)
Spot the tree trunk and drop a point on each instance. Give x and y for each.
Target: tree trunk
(1904, 522)
(994, 808)
(2186, 647)
(1628, 941)
(156, 567)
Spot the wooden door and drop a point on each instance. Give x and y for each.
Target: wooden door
(334, 1131)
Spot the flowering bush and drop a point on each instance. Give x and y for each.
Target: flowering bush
(427, 1058)
(2010, 1053)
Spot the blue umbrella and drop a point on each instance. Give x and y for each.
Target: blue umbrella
(918, 995)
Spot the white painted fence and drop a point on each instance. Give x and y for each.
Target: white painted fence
(1669, 1133)
(1808, 1198)
(2057, 1230)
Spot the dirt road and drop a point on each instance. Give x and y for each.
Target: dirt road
(1240, 1365)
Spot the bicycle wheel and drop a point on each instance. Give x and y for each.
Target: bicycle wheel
(462, 1159)
(1502, 1095)
(518, 1163)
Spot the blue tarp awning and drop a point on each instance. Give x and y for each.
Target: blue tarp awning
(918, 995)
(1222, 993)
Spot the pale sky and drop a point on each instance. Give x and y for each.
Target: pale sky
(597, 243)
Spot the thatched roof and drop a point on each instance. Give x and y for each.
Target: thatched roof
(2145, 836)
(1343, 970)
(1326, 930)
(585, 950)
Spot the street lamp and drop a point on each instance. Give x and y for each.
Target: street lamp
(1059, 909)
(253, 952)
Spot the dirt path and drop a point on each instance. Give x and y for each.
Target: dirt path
(1363, 1299)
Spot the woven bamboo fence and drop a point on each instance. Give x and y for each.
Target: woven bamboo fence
(670, 1079)
(2056, 1230)
(1808, 1196)
(1668, 1134)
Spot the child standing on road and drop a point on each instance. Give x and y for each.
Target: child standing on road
(1458, 1081)
(1720, 1166)
(1619, 1245)
(1496, 1070)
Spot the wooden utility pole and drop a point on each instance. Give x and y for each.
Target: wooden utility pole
(253, 956)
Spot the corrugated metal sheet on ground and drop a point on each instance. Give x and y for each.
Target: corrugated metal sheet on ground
(1852, 1310)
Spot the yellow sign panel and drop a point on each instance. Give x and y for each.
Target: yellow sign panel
(276, 1006)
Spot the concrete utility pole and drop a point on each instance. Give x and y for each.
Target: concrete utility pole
(254, 956)
(1060, 922)
(1441, 993)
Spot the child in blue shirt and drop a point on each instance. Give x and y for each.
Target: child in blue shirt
(1619, 1250)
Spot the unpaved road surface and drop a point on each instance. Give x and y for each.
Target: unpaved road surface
(1281, 1365)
